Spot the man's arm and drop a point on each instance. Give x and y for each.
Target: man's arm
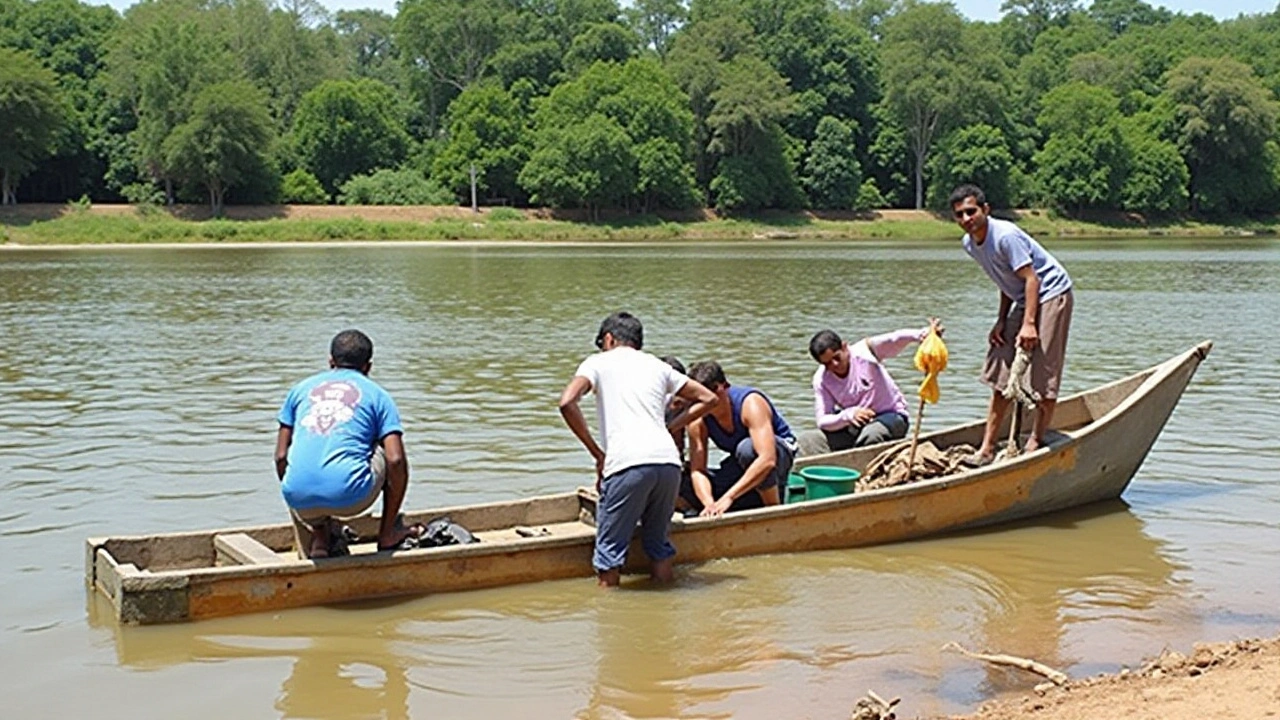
(572, 415)
(758, 419)
(890, 344)
(1028, 336)
(701, 401)
(824, 410)
(996, 336)
(283, 439)
(397, 460)
(698, 463)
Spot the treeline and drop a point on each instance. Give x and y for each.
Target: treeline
(734, 104)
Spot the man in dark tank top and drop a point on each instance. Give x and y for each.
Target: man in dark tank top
(759, 443)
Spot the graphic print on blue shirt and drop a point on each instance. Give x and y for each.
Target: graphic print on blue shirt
(338, 418)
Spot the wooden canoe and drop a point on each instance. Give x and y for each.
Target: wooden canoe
(1102, 437)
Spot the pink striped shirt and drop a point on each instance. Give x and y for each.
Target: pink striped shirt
(835, 399)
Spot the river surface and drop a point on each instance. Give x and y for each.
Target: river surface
(140, 388)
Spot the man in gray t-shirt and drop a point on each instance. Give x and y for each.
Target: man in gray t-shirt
(1035, 312)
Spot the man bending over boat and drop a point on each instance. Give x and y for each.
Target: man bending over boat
(637, 464)
(760, 444)
(339, 447)
(855, 400)
(1034, 314)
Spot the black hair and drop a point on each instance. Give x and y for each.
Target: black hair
(823, 341)
(351, 349)
(675, 363)
(625, 329)
(708, 373)
(968, 190)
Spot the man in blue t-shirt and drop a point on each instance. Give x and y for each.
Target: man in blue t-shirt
(340, 446)
(760, 443)
(1035, 312)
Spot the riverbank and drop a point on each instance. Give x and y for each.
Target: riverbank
(1238, 680)
(45, 225)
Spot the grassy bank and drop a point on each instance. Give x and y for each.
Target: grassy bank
(72, 225)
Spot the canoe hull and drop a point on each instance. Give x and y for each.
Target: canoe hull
(1106, 434)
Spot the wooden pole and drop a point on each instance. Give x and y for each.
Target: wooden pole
(915, 438)
(475, 207)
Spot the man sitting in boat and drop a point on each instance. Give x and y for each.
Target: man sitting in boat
(855, 401)
(339, 447)
(637, 466)
(760, 444)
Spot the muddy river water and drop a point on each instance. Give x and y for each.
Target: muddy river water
(140, 387)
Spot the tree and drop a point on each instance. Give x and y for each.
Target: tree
(588, 164)
(832, 174)
(609, 42)
(345, 128)
(225, 141)
(933, 77)
(485, 129)
(31, 112)
(453, 39)
(1225, 120)
(1120, 15)
(977, 154)
(1085, 160)
(1029, 18)
(656, 22)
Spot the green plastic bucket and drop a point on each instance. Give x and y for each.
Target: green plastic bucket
(795, 489)
(824, 481)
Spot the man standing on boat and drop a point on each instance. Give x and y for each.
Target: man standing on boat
(637, 464)
(855, 401)
(760, 444)
(339, 447)
(1035, 312)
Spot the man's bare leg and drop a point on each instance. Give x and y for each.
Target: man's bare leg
(319, 539)
(1040, 424)
(393, 491)
(609, 578)
(995, 415)
(661, 571)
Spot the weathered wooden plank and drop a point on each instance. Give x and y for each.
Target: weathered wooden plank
(240, 549)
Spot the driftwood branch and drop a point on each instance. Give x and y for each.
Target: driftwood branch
(874, 707)
(1057, 677)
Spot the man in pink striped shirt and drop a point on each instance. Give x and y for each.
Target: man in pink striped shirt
(855, 401)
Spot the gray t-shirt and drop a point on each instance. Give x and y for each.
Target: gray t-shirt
(1006, 250)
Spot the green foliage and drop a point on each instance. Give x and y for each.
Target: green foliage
(345, 128)
(613, 137)
(31, 112)
(224, 142)
(832, 174)
(600, 42)
(486, 129)
(976, 154)
(1225, 119)
(302, 188)
(505, 214)
(656, 22)
(393, 187)
(869, 197)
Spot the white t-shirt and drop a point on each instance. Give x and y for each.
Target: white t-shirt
(631, 390)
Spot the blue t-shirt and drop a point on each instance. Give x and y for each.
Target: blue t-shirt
(338, 417)
(728, 440)
(1008, 249)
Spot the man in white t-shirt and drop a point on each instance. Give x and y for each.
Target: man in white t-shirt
(637, 464)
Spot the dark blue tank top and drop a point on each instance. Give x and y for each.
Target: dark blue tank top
(728, 440)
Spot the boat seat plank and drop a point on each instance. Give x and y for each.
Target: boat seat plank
(240, 549)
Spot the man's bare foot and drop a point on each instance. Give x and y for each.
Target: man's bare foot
(609, 578)
(661, 571)
(1033, 445)
(319, 540)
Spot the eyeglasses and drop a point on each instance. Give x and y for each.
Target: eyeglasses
(966, 212)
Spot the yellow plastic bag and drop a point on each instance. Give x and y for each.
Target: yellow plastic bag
(931, 359)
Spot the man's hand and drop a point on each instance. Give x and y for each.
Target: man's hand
(996, 337)
(859, 416)
(1028, 337)
(717, 508)
(936, 324)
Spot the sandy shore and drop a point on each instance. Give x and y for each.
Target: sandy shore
(1237, 680)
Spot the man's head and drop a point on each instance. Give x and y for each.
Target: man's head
(970, 209)
(351, 349)
(710, 375)
(830, 352)
(676, 402)
(620, 328)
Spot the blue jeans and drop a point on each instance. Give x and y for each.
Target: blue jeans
(645, 494)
